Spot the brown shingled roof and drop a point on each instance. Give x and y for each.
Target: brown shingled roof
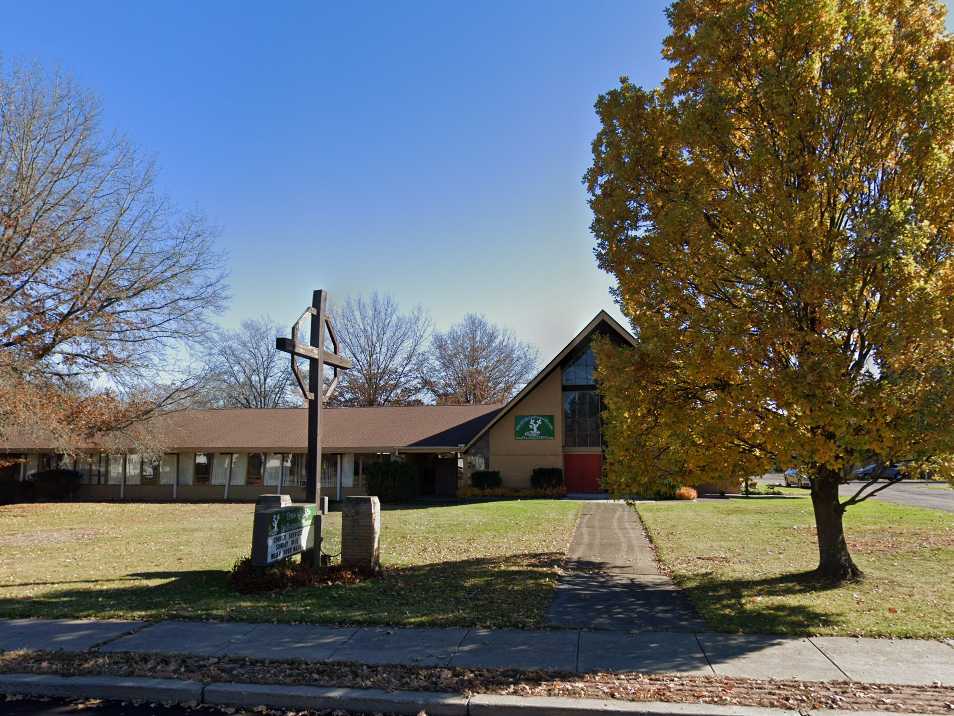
(420, 427)
(414, 427)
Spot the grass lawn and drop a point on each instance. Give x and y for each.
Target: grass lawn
(744, 563)
(489, 564)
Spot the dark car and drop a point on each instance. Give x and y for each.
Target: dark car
(877, 471)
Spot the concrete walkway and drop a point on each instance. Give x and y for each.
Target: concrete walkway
(612, 580)
(908, 661)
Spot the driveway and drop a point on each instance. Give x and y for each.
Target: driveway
(935, 495)
(612, 580)
(916, 493)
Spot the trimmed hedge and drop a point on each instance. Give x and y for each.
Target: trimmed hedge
(485, 479)
(393, 481)
(546, 478)
(520, 493)
(56, 484)
(15, 491)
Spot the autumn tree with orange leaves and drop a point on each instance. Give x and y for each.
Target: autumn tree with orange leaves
(99, 276)
(779, 214)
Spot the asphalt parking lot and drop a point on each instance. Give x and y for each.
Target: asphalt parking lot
(917, 493)
(935, 495)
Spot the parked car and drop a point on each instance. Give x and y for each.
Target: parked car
(903, 470)
(878, 471)
(796, 478)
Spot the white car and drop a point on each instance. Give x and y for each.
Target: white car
(796, 478)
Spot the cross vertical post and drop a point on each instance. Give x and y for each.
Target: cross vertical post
(316, 371)
(315, 392)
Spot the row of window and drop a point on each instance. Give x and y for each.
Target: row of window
(206, 468)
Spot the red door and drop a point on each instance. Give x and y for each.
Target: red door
(582, 471)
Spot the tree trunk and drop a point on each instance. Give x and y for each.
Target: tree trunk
(834, 561)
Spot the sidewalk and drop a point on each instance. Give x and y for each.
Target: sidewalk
(908, 661)
(612, 580)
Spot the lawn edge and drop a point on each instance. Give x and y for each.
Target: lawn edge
(187, 692)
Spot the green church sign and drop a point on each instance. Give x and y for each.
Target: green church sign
(282, 532)
(534, 427)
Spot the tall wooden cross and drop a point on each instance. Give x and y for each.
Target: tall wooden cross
(315, 392)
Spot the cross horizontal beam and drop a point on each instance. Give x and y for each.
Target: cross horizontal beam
(303, 350)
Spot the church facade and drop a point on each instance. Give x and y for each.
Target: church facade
(237, 454)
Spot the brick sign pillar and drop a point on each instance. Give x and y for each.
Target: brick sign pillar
(361, 533)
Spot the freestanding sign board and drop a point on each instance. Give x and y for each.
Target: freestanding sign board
(281, 530)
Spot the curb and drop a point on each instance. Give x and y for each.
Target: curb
(502, 705)
(318, 697)
(116, 688)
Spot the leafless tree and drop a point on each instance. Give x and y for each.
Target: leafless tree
(477, 362)
(99, 275)
(388, 349)
(243, 369)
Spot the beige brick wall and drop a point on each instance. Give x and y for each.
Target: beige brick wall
(515, 459)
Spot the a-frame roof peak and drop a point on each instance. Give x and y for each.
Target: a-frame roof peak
(600, 318)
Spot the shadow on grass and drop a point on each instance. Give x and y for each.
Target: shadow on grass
(722, 498)
(512, 590)
(734, 605)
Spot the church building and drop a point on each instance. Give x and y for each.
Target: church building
(239, 453)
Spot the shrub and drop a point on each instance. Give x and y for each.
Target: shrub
(56, 484)
(392, 481)
(15, 491)
(686, 493)
(546, 478)
(288, 574)
(520, 493)
(485, 479)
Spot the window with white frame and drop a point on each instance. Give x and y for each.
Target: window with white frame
(169, 469)
(133, 469)
(273, 469)
(221, 467)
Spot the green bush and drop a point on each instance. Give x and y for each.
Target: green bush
(56, 484)
(546, 478)
(15, 491)
(664, 491)
(485, 479)
(392, 481)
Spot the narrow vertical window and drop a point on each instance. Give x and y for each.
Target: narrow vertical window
(203, 468)
(253, 468)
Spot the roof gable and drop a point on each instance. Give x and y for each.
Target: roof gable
(601, 318)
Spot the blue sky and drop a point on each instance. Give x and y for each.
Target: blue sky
(433, 151)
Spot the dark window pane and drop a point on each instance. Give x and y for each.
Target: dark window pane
(581, 418)
(253, 469)
(297, 474)
(203, 468)
(580, 370)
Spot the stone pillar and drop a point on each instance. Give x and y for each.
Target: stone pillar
(360, 533)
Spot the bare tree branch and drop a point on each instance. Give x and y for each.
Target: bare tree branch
(99, 276)
(387, 347)
(477, 362)
(243, 369)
